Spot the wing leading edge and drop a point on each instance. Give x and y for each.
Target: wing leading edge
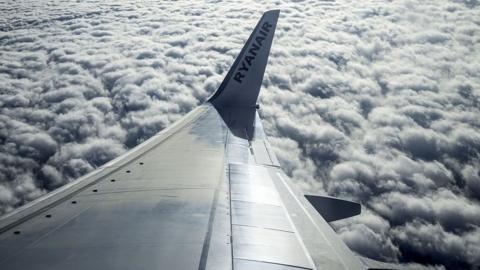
(206, 193)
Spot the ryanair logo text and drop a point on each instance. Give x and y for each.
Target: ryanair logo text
(252, 52)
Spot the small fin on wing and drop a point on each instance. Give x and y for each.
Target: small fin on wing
(333, 209)
(241, 86)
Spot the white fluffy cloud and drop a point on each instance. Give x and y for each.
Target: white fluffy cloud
(376, 101)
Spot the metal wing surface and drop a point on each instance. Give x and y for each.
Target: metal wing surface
(205, 193)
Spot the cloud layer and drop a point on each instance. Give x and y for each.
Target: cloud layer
(375, 101)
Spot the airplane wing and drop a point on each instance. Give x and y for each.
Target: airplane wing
(205, 193)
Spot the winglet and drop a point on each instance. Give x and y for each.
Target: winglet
(241, 86)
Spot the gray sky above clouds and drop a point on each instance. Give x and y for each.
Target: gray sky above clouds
(374, 101)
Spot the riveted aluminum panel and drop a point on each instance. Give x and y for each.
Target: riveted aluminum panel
(250, 175)
(255, 265)
(252, 184)
(255, 194)
(265, 245)
(260, 152)
(259, 215)
(238, 153)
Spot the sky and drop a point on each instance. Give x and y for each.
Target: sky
(373, 101)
